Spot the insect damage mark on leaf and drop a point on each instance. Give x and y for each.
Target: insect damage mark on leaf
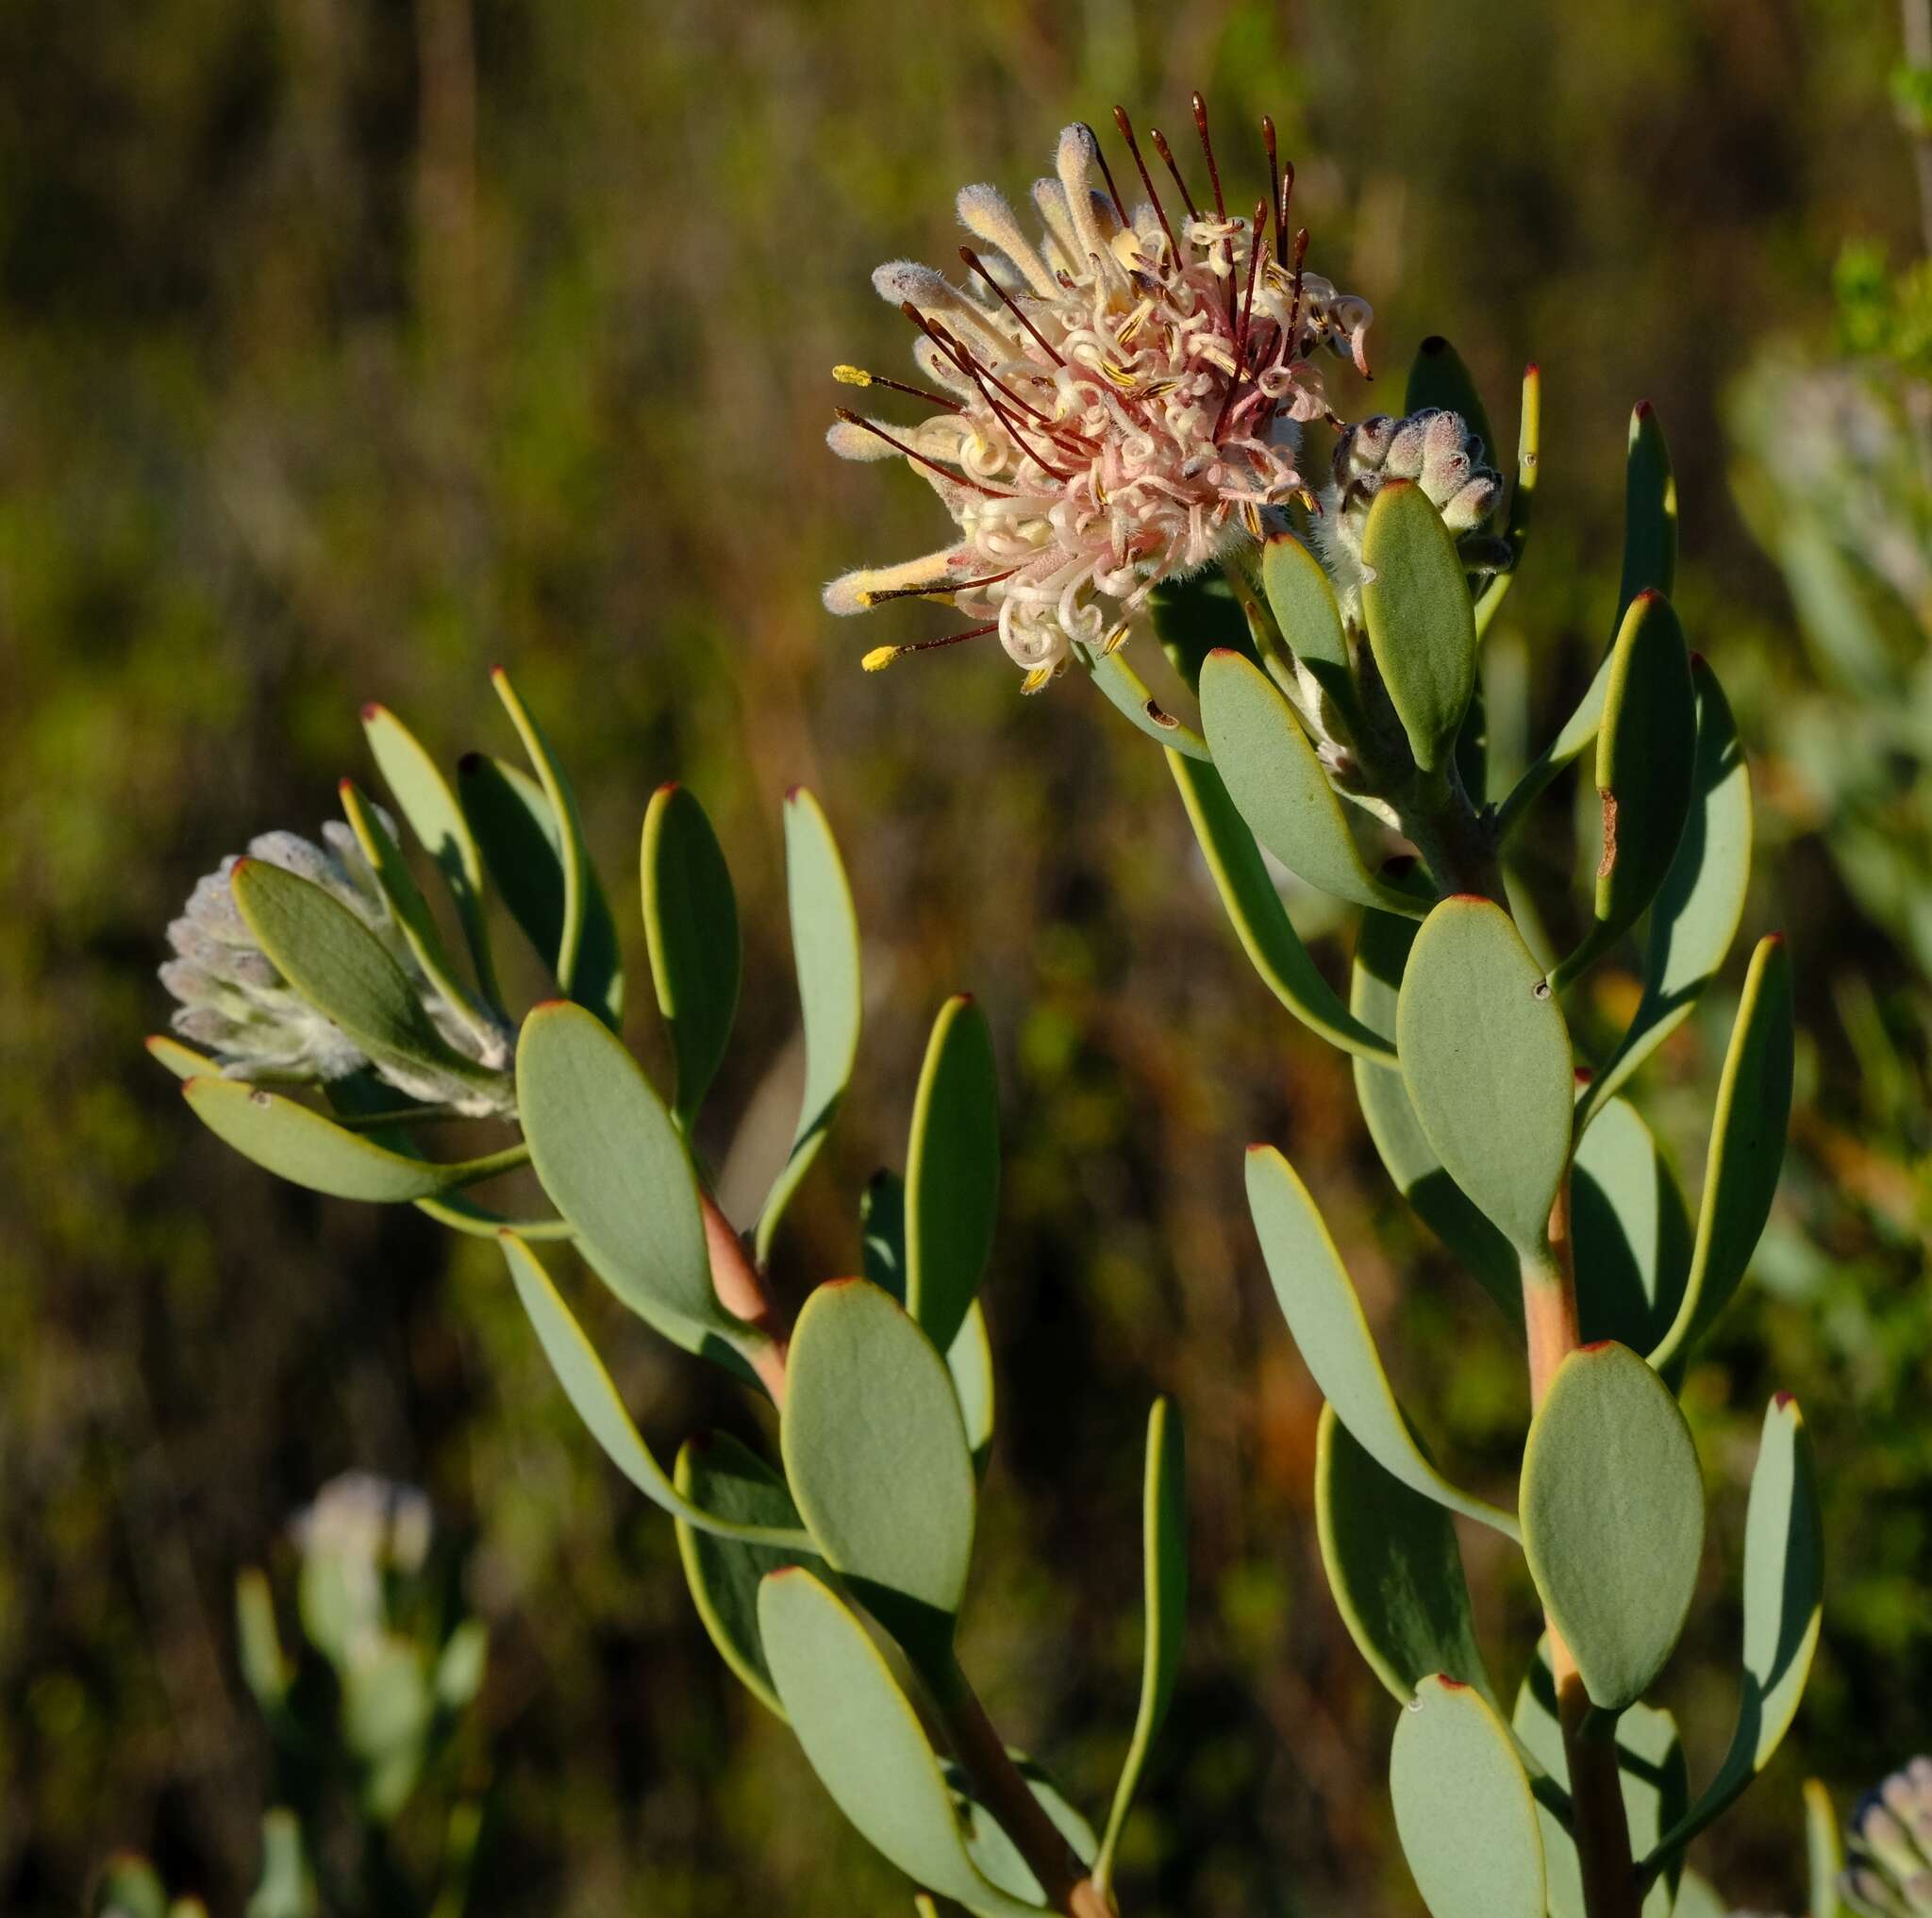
(1608, 862)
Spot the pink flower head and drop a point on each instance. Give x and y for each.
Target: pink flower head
(1115, 405)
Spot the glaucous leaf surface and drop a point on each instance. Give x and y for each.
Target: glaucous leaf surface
(1259, 919)
(1394, 1569)
(1279, 786)
(615, 1165)
(690, 928)
(863, 1738)
(1784, 1591)
(951, 1172)
(1612, 1510)
(305, 1146)
(1422, 625)
(1747, 1147)
(824, 952)
(876, 1457)
(1486, 1057)
(1463, 1808)
(1329, 1327)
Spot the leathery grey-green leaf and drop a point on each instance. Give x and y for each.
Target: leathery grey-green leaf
(1784, 1591)
(1259, 919)
(1631, 1231)
(1329, 1327)
(1463, 1808)
(594, 1398)
(1420, 622)
(1274, 779)
(335, 962)
(863, 1738)
(1303, 602)
(969, 1358)
(690, 928)
(306, 1147)
(1650, 564)
(951, 1172)
(411, 909)
(1128, 693)
(1164, 1577)
(423, 798)
(714, 1471)
(1612, 1510)
(1747, 1147)
(876, 1457)
(1694, 916)
(1394, 1569)
(587, 961)
(613, 1164)
(1646, 748)
(1375, 983)
(824, 952)
(1486, 1057)
(1650, 1769)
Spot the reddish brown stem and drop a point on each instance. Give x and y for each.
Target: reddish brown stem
(742, 1292)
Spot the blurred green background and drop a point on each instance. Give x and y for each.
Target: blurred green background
(348, 347)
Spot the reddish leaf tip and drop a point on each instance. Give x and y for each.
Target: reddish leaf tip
(1649, 596)
(1645, 409)
(1533, 371)
(669, 786)
(1449, 1684)
(1583, 1075)
(1597, 1345)
(791, 793)
(1698, 662)
(1223, 652)
(372, 710)
(1784, 1400)
(1773, 939)
(549, 1005)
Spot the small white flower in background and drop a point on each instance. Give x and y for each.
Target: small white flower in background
(1436, 450)
(360, 1527)
(234, 1001)
(1891, 1870)
(1117, 402)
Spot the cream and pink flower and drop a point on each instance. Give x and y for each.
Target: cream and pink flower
(1114, 403)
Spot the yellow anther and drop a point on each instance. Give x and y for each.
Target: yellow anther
(851, 376)
(880, 657)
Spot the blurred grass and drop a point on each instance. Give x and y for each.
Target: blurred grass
(345, 349)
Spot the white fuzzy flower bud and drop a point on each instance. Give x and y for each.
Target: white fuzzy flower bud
(236, 1004)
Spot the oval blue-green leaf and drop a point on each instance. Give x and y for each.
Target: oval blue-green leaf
(1420, 622)
(1394, 1569)
(1612, 1510)
(876, 1457)
(1747, 1147)
(720, 1476)
(1695, 914)
(825, 950)
(1259, 919)
(594, 1398)
(951, 1172)
(1327, 1318)
(298, 1143)
(614, 1164)
(863, 1738)
(1486, 1057)
(1463, 1808)
(690, 927)
(1277, 783)
(1784, 1593)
